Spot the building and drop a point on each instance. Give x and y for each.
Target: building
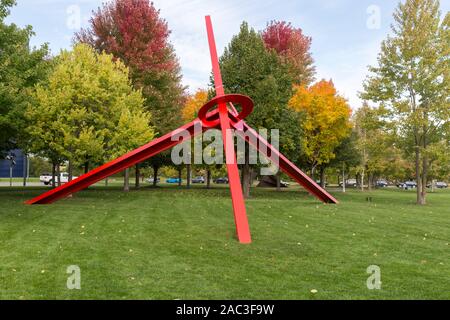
(20, 169)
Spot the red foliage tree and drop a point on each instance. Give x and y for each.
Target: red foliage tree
(133, 31)
(293, 47)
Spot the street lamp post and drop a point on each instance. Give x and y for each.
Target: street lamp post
(12, 162)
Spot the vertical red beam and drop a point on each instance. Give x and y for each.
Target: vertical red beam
(240, 214)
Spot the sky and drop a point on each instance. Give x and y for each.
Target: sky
(346, 34)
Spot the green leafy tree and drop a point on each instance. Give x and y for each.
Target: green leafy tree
(20, 69)
(134, 32)
(375, 142)
(347, 156)
(39, 166)
(439, 155)
(412, 80)
(249, 68)
(87, 112)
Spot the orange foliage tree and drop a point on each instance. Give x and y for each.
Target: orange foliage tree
(193, 104)
(326, 122)
(189, 112)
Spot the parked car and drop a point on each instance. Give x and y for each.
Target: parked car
(381, 184)
(439, 185)
(350, 183)
(150, 180)
(198, 180)
(284, 184)
(174, 180)
(47, 178)
(407, 185)
(221, 181)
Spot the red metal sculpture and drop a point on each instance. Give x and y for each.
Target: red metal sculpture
(221, 118)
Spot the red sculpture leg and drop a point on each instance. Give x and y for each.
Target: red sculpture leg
(240, 215)
(263, 146)
(130, 159)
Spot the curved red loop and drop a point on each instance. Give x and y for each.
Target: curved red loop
(245, 102)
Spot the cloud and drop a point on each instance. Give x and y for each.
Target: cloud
(348, 68)
(342, 48)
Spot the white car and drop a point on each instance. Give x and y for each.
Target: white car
(46, 178)
(350, 183)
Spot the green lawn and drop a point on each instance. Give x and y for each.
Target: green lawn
(171, 243)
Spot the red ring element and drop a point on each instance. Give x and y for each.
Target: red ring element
(245, 102)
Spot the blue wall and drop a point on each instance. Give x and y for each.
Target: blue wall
(18, 170)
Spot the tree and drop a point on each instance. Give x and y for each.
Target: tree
(38, 166)
(20, 69)
(375, 142)
(326, 123)
(134, 32)
(87, 112)
(347, 156)
(439, 155)
(412, 80)
(293, 47)
(193, 104)
(190, 110)
(249, 68)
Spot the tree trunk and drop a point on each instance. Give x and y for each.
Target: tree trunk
(70, 169)
(54, 175)
(179, 177)
(370, 181)
(86, 167)
(137, 182)
(418, 177)
(362, 179)
(208, 179)
(343, 177)
(188, 176)
(322, 177)
(58, 173)
(246, 174)
(313, 172)
(278, 176)
(155, 175)
(126, 180)
(424, 176)
(106, 182)
(25, 169)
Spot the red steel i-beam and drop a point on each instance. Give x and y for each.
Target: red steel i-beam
(128, 160)
(263, 146)
(240, 214)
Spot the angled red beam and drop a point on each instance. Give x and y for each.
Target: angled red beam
(237, 197)
(254, 139)
(128, 160)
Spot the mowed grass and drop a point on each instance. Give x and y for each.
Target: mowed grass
(173, 243)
